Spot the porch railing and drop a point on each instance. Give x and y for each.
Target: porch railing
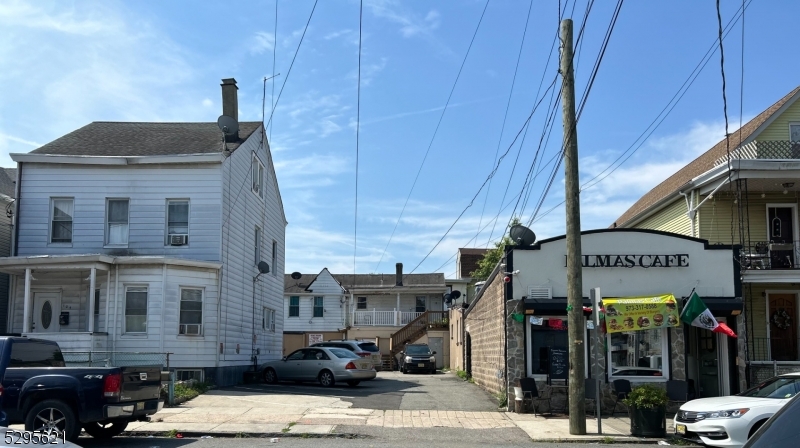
(774, 349)
(383, 318)
(771, 255)
(115, 359)
(764, 149)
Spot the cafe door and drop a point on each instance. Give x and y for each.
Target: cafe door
(713, 376)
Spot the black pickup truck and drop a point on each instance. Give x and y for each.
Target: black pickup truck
(37, 389)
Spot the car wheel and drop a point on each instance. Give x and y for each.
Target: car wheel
(353, 383)
(53, 415)
(326, 378)
(270, 376)
(403, 369)
(433, 371)
(106, 429)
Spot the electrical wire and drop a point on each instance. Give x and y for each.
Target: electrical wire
(358, 128)
(289, 72)
(435, 131)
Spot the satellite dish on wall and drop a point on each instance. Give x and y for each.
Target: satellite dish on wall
(296, 275)
(263, 267)
(522, 235)
(228, 125)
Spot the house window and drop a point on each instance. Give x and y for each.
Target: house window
(318, 310)
(61, 220)
(268, 319)
(794, 132)
(638, 353)
(135, 309)
(257, 245)
(186, 375)
(294, 306)
(362, 303)
(191, 315)
(117, 221)
(421, 304)
(177, 222)
(274, 257)
(258, 177)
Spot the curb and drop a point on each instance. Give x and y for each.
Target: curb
(239, 435)
(612, 440)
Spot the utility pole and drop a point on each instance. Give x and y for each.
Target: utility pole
(577, 411)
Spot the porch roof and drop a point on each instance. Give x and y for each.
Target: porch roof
(17, 265)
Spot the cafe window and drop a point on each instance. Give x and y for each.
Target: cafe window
(545, 335)
(642, 354)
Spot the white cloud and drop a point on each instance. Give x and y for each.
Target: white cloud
(207, 102)
(261, 42)
(337, 34)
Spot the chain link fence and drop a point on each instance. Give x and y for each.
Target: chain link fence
(116, 359)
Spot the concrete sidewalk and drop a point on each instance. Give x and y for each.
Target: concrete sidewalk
(252, 412)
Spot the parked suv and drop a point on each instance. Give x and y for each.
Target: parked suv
(419, 358)
(364, 349)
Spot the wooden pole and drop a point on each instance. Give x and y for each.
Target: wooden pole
(577, 327)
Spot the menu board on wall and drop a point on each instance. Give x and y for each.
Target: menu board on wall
(559, 363)
(641, 313)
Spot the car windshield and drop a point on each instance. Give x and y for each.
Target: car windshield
(418, 350)
(368, 347)
(778, 387)
(343, 354)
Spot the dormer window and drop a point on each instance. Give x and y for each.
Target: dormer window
(258, 177)
(794, 132)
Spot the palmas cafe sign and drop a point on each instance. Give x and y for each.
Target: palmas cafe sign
(634, 261)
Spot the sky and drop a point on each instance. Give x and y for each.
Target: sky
(423, 171)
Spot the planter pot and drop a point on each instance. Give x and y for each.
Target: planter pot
(648, 422)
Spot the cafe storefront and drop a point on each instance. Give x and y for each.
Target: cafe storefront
(644, 278)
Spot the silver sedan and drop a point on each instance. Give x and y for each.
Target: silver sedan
(326, 365)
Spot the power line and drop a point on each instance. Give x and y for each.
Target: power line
(358, 128)
(505, 115)
(435, 131)
(289, 72)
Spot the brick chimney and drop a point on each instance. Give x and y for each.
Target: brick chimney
(230, 102)
(399, 274)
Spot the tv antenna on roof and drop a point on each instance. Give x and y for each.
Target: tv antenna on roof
(229, 127)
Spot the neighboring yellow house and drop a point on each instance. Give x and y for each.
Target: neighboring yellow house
(745, 192)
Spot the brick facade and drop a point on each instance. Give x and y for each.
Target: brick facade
(484, 324)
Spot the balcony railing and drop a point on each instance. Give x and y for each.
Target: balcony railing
(775, 349)
(772, 255)
(377, 318)
(764, 149)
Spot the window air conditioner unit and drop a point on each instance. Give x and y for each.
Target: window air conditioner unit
(177, 239)
(190, 329)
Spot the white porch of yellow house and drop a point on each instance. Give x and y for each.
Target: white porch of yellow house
(381, 309)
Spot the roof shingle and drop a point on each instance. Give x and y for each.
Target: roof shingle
(107, 138)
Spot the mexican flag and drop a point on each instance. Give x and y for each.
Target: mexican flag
(697, 314)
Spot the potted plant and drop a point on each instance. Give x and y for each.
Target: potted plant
(648, 408)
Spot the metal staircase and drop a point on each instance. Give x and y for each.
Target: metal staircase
(414, 330)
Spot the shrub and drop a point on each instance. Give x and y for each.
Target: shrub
(647, 396)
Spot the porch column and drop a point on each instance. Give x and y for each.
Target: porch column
(26, 303)
(108, 296)
(92, 282)
(399, 312)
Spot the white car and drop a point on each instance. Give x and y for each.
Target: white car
(730, 421)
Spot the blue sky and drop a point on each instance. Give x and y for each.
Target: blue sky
(67, 63)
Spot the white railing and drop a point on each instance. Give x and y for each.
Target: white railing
(377, 318)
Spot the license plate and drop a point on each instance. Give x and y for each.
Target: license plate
(680, 429)
(365, 366)
(139, 406)
(420, 365)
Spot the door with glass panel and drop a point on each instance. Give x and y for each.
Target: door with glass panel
(46, 309)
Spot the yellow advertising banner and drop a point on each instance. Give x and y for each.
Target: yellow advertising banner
(641, 313)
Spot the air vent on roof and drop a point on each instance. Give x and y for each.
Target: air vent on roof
(540, 292)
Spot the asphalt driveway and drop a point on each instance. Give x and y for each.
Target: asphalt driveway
(395, 391)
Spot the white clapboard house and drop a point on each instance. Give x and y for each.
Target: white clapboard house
(147, 238)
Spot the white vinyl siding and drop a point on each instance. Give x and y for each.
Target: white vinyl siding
(274, 257)
(61, 219)
(117, 218)
(191, 312)
(135, 309)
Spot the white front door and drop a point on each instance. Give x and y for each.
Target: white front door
(46, 309)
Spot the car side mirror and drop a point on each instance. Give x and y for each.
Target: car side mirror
(433, 353)
(283, 359)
